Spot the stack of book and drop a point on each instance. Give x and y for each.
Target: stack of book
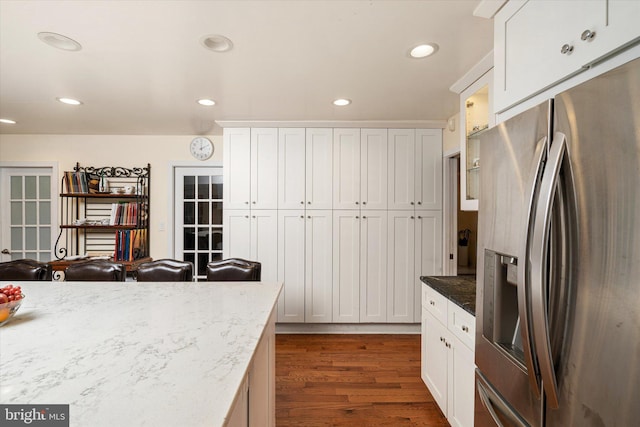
(76, 182)
(128, 245)
(124, 213)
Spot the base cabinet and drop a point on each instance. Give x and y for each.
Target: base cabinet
(447, 363)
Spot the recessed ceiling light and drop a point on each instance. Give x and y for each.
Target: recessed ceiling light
(216, 43)
(69, 101)
(424, 50)
(341, 102)
(8, 121)
(59, 41)
(207, 102)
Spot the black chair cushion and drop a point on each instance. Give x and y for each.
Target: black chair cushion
(95, 271)
(25, 269)
(165, 270)
(234, 270)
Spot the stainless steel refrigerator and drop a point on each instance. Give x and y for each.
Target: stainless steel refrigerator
(558, 302)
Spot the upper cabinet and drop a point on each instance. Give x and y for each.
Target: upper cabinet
(539, 43)
(476, 116)
(254, 150)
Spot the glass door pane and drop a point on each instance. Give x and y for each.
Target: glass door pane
(198, 223)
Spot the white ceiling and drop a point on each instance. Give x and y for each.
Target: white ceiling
(142, 67)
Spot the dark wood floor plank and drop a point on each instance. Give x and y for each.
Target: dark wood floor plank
(352, 380)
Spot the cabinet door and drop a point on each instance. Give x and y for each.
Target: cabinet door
(436, 359)
(402, 163)
(237, 168)
(262, 380)
(319, 171)
(264, 242)
(373, 169)
(461, 392)
(428, 252)
(346, 168)
(346, 266)
(291, 265)
(236, 234)
(264, 168)
(373, 266)
(428, 169)
(402, 293)
(318, 266)
(291, 168)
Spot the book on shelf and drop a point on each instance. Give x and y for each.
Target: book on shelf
(124, 213)
(76, 182)
(129, 245)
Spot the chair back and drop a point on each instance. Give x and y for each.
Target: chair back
(100, 270)
(165, 270)
(234, 270)
(25, 269)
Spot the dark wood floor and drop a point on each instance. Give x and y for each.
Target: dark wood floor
(352, 380)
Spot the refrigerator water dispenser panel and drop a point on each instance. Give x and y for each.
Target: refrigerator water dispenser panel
(501, 321)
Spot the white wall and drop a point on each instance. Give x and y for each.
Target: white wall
(116, 150)
(451, 139)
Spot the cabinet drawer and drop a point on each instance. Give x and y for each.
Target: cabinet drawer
(462, 324)
(435, 303)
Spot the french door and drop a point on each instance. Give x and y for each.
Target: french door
(198, 216)
(29, 203)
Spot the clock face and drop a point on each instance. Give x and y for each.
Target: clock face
(201, 148)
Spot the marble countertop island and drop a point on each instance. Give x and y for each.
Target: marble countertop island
(134, 354)
(459, 289)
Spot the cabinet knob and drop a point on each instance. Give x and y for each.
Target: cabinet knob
(412, 217)
(302, 216)
(364, 217)
(364, 203)
(254, 202)
(419, 217)
(309, 216)
(465, 328)
(302, 202)
(246, 203)
(587, 35)
(246, 216)
(419, 203)
(432, 302)
(412, 203)
(253, 216)
(357, 203)
(441, 339)
(357, 217)
(566, 49)
(308, 203)
(448, 345)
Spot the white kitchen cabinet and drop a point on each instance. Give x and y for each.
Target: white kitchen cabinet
(415, 169)
(318, 266)
(476, 107)
(291, 265)
(401, 277)
(373, 169)
(448, 367)
(252, 235)
(359, 266)
(262, 380)
(250, 168)
(539, 43)
(346, 168)
(237, 168)
(319, 168)
(305, 168)
(291, 168)
(360, 169)
(428, 251)
(305, 266)
(373, 266)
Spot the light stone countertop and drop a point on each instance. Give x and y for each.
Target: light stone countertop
(134, 354)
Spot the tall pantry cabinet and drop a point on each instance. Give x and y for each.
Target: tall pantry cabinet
(357, 217)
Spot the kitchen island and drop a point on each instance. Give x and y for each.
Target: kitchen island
(142, 354)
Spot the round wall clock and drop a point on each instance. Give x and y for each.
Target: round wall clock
(201, 148)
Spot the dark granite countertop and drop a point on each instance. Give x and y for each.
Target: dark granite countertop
(459, 289)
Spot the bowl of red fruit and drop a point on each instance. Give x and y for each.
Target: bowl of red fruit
(10, 299)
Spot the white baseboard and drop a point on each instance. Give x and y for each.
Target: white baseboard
(348, 328)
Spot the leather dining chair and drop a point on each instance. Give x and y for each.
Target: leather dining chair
(99, 270)
(233, 270)
(165, 270)
(25, 269)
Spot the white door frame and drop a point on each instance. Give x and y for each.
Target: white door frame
(172, 200)
(55, 191)
(450, 163)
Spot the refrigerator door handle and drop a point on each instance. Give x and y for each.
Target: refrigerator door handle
(538, 267)
(524, 309)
